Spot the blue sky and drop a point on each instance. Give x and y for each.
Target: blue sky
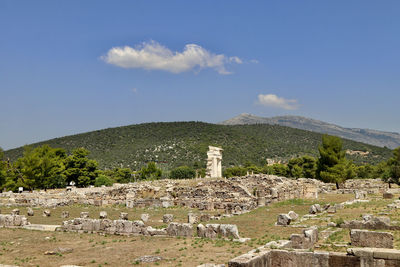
(73, 66)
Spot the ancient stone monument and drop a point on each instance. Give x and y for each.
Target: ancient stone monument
(214, 162)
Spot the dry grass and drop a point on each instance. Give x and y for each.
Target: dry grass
(26, 248)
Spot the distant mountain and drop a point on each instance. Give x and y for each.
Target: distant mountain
(173, 144)
(373, 137)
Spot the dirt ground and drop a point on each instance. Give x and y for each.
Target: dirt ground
(27, 247)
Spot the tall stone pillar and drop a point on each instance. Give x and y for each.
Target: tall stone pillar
(214, 162)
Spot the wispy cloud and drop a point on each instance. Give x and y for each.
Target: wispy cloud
(134, 90)
(154, 56)
(271, 100)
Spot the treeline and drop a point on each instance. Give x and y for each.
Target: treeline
(331, 166)
(45, 167)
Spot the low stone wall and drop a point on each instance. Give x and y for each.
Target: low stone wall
(124, 227)
(9, 220)
(362, 257)
(371, 186)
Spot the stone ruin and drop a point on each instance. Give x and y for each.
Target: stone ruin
(370, 222)
(235, 195)
(214, 162)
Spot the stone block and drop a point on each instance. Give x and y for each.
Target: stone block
(293, 215)
(123, 216)
(388, 195)
(15, 212)
(84, 215)
(193, 218)
(364, 238)
(180, 229)
(167, 218)
(283, 219)
(30, 212)
(46, 213)
(103, 215)
(145, 217)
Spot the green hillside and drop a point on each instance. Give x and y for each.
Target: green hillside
(173, 144)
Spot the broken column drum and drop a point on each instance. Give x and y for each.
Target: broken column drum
(214, 162)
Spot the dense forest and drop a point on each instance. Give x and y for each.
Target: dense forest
(173, 144)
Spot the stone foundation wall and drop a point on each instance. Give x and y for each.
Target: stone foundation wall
(234, 195)
(355, 257)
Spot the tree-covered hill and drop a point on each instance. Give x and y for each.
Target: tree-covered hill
(172, 144)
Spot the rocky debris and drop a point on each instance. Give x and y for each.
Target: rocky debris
(211, 265)
(360, 194)
(339, 206)
(388, 195)
(59, 250)
(365, 238)
(148, 258)
(84, 215)
(180, 229)
(103, 215)
(145, 217)
(332, 224)
(123, 216)
(15, 212)
(283, 219)
(394, 205)
(167, 218)
(314, 209)
(218, 231)
(370, 222)
(46, 213)
(278, 244)
(30, 212)
(293, 215)
(9, 220)
(65, 214)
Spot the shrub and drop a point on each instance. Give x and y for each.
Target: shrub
(103, 180)
(182, 173)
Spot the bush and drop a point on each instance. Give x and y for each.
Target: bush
(182, 173)
(235, 171)
(103, 180)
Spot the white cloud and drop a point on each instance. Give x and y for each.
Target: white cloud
(271, 100)
(154, 56)
(134, 90)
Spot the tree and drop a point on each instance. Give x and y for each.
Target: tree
(394, 166)
(3, 170)
(302, 167)
(332, 164)
(182, 172)
(80, 169)
(150, 172)
(42, 167)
